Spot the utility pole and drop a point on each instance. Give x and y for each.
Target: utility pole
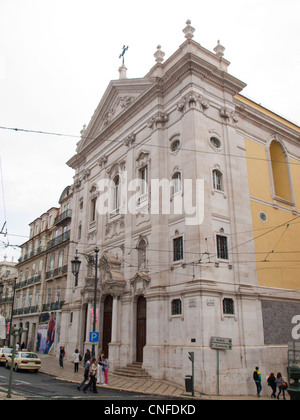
(192, 359)
(15, 332)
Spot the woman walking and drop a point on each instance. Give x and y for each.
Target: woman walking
(281, 385)
(93, 373)
(272, 383)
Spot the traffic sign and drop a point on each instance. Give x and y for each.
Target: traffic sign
(221, 343)
(94, 337)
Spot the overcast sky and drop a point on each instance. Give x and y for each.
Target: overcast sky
(58, 56)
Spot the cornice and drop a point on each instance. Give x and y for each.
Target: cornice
(266, 119)
(189, 64)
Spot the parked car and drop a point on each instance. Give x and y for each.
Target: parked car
(4, 352)
(24, 360)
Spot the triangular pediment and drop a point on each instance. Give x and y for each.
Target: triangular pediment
(118, 97)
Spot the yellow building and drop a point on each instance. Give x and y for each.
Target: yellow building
(273, 166)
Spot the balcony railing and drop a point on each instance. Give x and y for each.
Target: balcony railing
(54, 306)
(59, 239)
(67, 214)
(27, 282)
(56, 272)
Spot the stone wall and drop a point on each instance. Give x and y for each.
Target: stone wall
(277, 321)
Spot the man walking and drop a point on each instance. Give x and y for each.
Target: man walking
(86, 373)
(257, 380)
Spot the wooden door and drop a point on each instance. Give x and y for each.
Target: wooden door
(141, 328)
(107, 319)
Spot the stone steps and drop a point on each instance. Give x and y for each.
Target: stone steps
(133, 370)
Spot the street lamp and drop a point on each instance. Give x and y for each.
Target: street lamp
(76, 267)
(93, 261)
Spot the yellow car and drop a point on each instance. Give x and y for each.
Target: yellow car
(4, 352)
(25, 360)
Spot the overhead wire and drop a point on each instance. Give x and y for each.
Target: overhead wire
(43, 132)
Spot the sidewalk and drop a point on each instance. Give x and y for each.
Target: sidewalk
(146, 386)
(162, 388)
(150, 386)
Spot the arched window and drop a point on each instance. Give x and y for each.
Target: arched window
(176, 307)
(177, 185)
(116, 194)
(218, 180)
(280, 171)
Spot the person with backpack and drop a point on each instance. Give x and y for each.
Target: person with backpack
(257, 380)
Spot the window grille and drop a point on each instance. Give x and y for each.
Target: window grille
(176, 307)
(178, 248)
(228, 306)
(222, 249)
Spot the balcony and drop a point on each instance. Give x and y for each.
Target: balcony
(27, 282)
(58, 240)
(54, 306)
(27, 310)
(63, 217)
(56, 272)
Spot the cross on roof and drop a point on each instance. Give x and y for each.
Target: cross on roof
(123, 53)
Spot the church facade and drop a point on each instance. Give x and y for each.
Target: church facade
(165, 188)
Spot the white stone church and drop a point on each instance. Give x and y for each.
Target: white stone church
(169, 278)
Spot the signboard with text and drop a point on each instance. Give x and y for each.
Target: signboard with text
(221, 343)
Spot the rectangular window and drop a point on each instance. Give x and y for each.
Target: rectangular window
(178, 249)
(144, 179)
(222, 249)
(93, 209)
(228, 306)
(143, 185)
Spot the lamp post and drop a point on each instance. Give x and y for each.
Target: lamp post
(12, 309)
(76, 267)
(15, 332)
(10, 283)
(93, 261)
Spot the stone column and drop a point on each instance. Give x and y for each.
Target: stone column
(115, 317)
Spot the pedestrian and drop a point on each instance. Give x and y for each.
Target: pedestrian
(281, 385)
(272, 383)
(257, 380)
(87, 356)
(100, 371)
(105, 368)
(86, 373)
(92, 375)
(76, 360)
(61, 356)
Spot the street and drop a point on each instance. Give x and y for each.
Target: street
(43, 387)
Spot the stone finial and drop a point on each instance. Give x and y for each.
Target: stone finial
(219, 50)
(122, 71)
(83, 130)
(159, 55)
(188, 30)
